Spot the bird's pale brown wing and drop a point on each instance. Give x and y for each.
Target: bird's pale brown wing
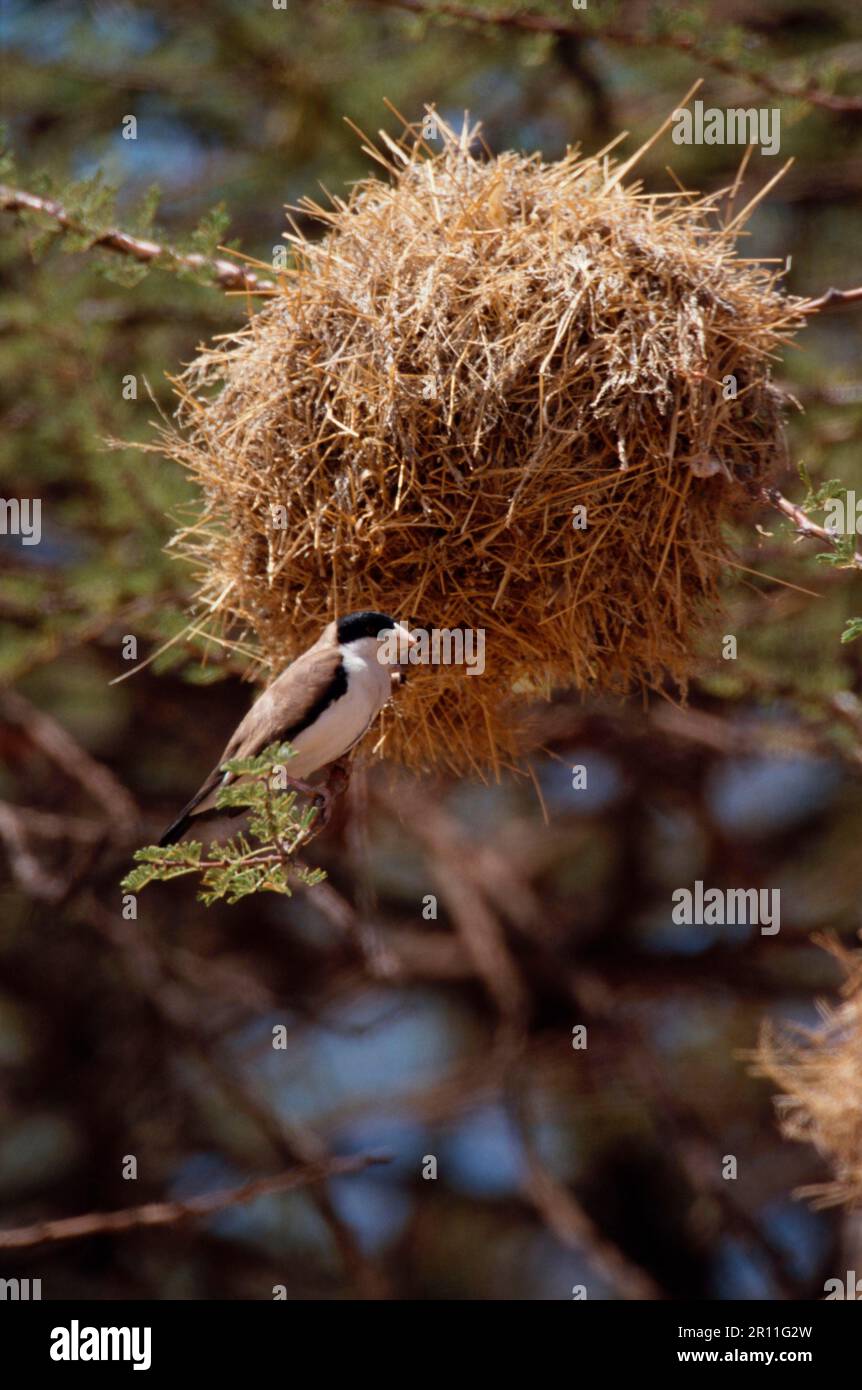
(287, 707)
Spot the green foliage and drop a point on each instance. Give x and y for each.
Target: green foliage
(7, 159)
(841, 553)
(90, 205)
(256, 862)
(208, 235)
(819, 494)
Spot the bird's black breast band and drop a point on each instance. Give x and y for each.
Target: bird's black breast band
(334, 691)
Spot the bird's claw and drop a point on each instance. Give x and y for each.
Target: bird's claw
(322, 798)
(323, 806)
(335, 785)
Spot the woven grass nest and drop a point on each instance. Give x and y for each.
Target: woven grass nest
(474, 348)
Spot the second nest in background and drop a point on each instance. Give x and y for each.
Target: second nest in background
(499, 394)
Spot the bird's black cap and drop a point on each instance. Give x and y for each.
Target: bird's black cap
(365, 624)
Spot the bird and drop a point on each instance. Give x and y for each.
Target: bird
(322, 704)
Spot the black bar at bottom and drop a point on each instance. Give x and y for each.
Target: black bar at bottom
(82, 1340)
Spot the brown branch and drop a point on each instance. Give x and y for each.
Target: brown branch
(451, 861)
(50, 737)
(226, 273)
(169, 1213)
(681, 43)
(49, 825)
(563, 1214)
(462, 882)
(832, 299)
(291, 1141)
(231, 276)
(27, 868)
(20, 827)
(805, 526)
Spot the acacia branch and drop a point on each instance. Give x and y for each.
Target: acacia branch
(237, 277)
(681, 43)
(805, 526)
(226, 273)
(169, 1213)
(832, 299)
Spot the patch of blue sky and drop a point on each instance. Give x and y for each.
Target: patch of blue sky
(799, 1011)
(165, 152)
(376, 1211)
(52, 32)
(679, 1025)
(661, 936)
(41, 32)
(802, 1234)
(763, 796)
(738, 1272)
(604, 782)
(482, 1155)
(378, 1045)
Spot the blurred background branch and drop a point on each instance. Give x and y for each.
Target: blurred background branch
(423, 1000)
(171, 1213)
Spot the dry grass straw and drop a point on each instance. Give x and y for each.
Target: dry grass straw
(475, 347)
(820, 1073)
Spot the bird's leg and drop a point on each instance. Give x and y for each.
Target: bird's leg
(294, 784)
(337, 780)
(318, 796)
(322, 797)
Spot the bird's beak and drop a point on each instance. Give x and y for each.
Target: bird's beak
(405, 635)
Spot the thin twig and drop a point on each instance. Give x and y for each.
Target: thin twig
(451, 861)
(563, 1213)
(832, 299)
(806, 527)
(682, 43)
(169, 1213)
(291, 1142)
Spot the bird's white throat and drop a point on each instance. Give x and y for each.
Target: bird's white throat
(345, 720)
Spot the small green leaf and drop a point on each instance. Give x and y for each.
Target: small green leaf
(254, 860)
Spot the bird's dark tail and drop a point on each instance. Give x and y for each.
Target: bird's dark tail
(179, 827)
(173, 832)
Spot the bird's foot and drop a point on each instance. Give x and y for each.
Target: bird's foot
(294, 784)
(323, 807)
(338, 778)
(323, 797)
(318, 796)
